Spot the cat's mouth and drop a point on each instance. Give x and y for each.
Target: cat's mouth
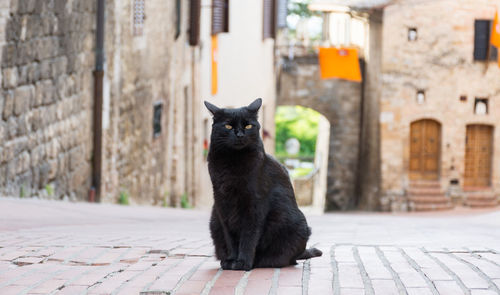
(239, 144)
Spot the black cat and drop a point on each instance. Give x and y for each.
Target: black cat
(255, 220)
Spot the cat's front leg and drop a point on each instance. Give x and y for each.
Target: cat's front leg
(232, 251)
(247, 246)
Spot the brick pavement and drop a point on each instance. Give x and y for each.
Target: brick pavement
(65, 248)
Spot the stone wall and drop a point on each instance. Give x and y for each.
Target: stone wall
(440, 62)
(152, 68)
(339, 101)
(46, 97)
(369, 168)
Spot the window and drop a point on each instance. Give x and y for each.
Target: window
(274, 17)
(481, 106)
(269, 26)
(194, 22)
(157, 110)
(220, 16)
(139, 16)
(281, 13)
(177, 18)
(412, 34)
(420, 96)
(482, 47)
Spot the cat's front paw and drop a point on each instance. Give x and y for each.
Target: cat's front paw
(241, 265)
(226, 264)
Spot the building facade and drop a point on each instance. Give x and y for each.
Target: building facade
(440, 86)
(126, 125)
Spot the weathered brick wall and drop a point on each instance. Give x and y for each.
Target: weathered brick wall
(440, 62)
(45, 98)
(339, 101)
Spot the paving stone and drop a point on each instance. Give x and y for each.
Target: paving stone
(119, 250)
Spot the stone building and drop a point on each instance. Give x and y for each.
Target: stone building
(419, 133)
(148, 113)
(438, 105)
(122, 119)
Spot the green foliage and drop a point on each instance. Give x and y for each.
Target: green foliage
(300, 8)
(298, 122)
(165, 200)
(300, 172)
(124, 198)
(22, 192)
(49, 189)
(185, 202)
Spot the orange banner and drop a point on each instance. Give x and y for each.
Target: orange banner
(215, 52)
(339, 63)
(495, 32)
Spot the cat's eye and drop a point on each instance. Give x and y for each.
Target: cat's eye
(229, 127)
(249, 126)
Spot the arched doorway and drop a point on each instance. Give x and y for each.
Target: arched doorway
(425, 149)
(308, 163)
(478, 155)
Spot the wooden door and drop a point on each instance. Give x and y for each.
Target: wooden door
(425, 150)
(478, 156)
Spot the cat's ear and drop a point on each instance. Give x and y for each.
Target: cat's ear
(255, 105)
(213, 109)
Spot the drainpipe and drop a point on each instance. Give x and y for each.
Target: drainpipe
(95, 191)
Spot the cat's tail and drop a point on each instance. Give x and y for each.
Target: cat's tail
(310, 253)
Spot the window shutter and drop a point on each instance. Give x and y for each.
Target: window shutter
(139, 16)
(281, 13)
(481, 39)
(220, 16)
(177, 18)
(493, 53)
(194, 22)
(268, 19)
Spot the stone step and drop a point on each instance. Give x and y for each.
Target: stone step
(429, 199)
(474, 189)
(427, 191)
(425, 184)
(482, 203)
(430, 207)
(479, 197)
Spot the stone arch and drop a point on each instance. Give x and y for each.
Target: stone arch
(339, 101)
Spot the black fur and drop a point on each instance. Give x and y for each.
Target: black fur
(255, 220)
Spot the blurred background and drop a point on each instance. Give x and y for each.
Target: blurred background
(375, 105)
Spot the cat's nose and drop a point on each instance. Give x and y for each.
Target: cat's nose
(239, 133)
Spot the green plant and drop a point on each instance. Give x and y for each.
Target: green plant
(185, 201)
(165, 200)
(300, 8)
(124, 198)
(301, 172)
(49, 189)
(22, 192)
(297, 122)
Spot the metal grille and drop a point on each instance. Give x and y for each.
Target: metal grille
(139, 16)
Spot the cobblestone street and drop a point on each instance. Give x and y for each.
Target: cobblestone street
(67, 248)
